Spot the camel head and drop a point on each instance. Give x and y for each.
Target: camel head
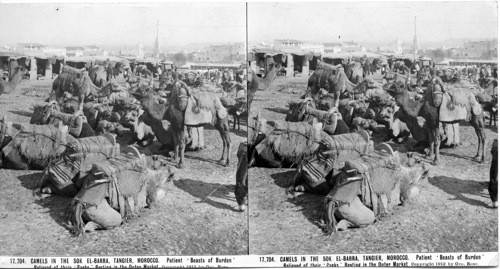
(387, 112)
(162, 174)
(132, 115)
(293, 110)
(81, 81)
(436, 90)
(142, 91)
(180, 95)
(304, 107)
(21, 70)
(105, 126)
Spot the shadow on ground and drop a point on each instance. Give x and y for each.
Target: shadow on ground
(460, 188)
(58, 207)
(206, 191)
(22, 113)
(277, 110)
(311, 205)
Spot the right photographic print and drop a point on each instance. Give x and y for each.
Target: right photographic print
(372, 127)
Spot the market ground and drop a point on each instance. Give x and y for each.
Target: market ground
(197, 217)
(452, 213)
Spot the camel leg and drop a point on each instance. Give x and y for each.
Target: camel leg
(201, 137)
(437, 143)
(456, 133)
(331, 223)
(222, 125)
(182, 148)
(193, 133)
(431, 143)
(336, 97)
(478, 124)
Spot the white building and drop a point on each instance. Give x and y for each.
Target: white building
(333, 47)
(140, 50)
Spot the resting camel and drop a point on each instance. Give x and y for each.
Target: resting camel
(255, 83)
(355, 72)
(9, 87)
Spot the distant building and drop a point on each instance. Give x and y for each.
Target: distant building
(140, 50)
(222, 53)
(94, 51)
(74, 51)
(290, 45)
(479, 50)
(29, 46)
(352, 47)
(316, 48)
(333, 47)
(398, 46)
(78, 51)
(286, 44)
(40, 49)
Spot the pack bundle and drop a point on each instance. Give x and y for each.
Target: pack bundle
(77, 160)
(123, 174)
(293, 141)
(332, 155)
(458, 102)
(35, 146)
(376, 174)
(203, 105)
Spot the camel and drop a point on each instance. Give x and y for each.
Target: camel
(175, 111)
(340, 84)
(334, 79)
(116, 188)
(371, 66)
(255, 83)
(9, 87)
(75, 81)
(355, 72)
(429, 109)
(98, 75)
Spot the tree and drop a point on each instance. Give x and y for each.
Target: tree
(439, 54)
(179, 57)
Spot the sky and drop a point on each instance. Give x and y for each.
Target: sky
(127, 24)
(372, 21)
(120, 24)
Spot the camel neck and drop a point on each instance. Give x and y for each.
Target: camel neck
(12, 84)
(266, 81)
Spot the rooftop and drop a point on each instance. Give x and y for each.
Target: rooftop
(287, 41)
(332, 44)
(31, 44)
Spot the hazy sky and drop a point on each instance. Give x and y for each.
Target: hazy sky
(119, 24)
(372, 21)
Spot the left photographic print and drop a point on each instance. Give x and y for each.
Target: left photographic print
(120, 129)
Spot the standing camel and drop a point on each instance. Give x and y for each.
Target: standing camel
(208, 109)
(9, 87)
(255, 83)
(429, 108)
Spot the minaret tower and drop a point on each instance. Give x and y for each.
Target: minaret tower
(156, 50)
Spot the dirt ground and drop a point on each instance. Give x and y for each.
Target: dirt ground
(452, 213)
(197, 217)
